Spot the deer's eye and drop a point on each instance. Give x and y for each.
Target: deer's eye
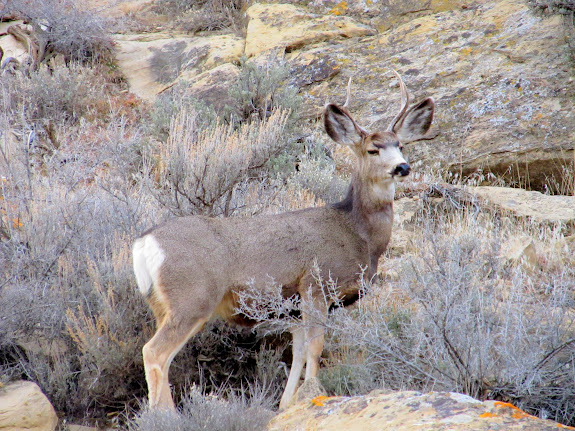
(373, 152)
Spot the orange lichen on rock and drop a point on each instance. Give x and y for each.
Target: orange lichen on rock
(318, 401)
(517, 414)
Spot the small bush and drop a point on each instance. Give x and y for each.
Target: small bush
(210, 171)
(208, 412)
(206, 15)
(170, 104)
(262, 89)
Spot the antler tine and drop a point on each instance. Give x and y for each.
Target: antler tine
(348, 93)
(404, 102)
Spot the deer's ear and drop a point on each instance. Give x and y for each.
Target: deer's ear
(340, 126)
(416, 122)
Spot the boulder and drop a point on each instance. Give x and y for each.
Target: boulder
(289, 27)
(10, 45)
(153, 62)
(524, 203)
(71, 427)
(520, 251)
(24, 406)
(212, 86)
(407, 411)
(309, 389)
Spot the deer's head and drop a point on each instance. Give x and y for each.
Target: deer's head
(381, 162)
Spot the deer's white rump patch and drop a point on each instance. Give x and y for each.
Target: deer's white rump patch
(148, 257)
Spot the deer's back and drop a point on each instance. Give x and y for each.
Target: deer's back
(225, 253)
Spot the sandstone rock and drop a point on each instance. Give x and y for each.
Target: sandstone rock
(310, 67)
(407, 411)
(394, 12)
(523, 203)
(520, 251)
(309, 390)
(24, 406)
(289, 27)
(153, 62)
(80, 428)
(11, 46)
(500, 76)
(212, 86)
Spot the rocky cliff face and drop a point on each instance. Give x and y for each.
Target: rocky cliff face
(500, 74)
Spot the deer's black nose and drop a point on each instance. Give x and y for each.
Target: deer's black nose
(402, 170)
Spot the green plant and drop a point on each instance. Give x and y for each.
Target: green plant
(261, 89)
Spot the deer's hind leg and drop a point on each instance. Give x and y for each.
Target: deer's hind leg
(159, 352)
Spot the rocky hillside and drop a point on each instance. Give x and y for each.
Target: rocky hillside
(502, 76)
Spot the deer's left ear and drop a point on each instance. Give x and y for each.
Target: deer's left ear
(340, 126)
(416, 122)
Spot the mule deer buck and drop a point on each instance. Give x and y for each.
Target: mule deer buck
(192, 268)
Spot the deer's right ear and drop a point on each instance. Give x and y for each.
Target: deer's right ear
(340, 126)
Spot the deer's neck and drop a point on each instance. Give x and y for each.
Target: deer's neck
(371, 209)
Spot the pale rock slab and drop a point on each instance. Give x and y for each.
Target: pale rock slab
(524, 203)
(23, 406)
(289, 27)
(407, 411)
(152, 63)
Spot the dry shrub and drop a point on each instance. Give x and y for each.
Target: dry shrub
(210, 15)
(44, 101)
(206, 15)
(261, 89)
(61, 27)
(461, 318)
(72, 319)
(209, 412)
(209, 171)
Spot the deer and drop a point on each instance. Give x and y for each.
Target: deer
(193, 268)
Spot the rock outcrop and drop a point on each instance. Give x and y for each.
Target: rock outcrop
(524, 203)
(408, 411)
(151, 63)
(23, 406)
(291, 28)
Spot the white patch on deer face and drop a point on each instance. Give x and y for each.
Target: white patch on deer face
(383, 165)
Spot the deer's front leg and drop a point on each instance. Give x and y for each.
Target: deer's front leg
(298, 361)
